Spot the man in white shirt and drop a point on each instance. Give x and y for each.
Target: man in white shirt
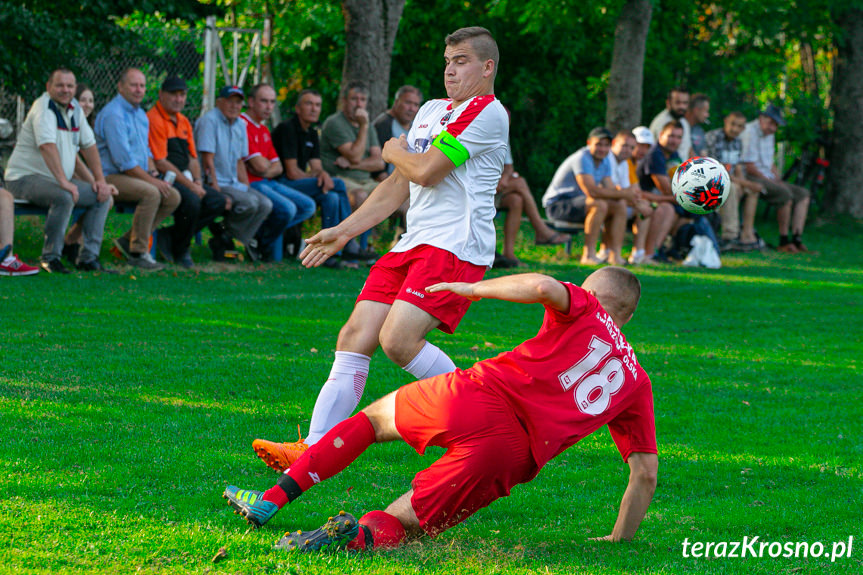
(792, 202)
(45, 170)
(449, 166)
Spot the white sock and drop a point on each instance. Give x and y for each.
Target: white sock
(340, 395)
(429, 362)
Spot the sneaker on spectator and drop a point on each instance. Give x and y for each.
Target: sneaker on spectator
(788, 249)
(602, 255)
(252, 251)
(185, 260)
(122, 248)
(728, 245)
(54, 267)
(94, 266)
(637, 257)
(145, 262)
(70, 252)
(17, 268)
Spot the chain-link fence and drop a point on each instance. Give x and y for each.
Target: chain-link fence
(235, 57)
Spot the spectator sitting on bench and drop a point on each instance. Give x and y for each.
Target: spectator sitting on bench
(173, 147)
(350, 148)
(296, 141)
(582, 191)
(122, 129)
(72, 245)
(46, 171)
(10, 265)
(514, 196)
(791, 201)
(223, 143)
(290, 207)
(724, 144)
(638, 210)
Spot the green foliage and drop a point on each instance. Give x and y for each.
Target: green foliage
(38, 37)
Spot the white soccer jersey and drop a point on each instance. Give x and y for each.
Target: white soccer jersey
(457, 214)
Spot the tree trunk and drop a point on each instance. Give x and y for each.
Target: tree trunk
(623, 96)
(370, 33)
(844, 194)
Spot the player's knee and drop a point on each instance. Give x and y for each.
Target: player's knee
(399, 349)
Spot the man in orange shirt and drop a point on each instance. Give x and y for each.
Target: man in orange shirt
(173, 147)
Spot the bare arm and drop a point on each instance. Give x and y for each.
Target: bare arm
(208, 159)
(663, 184)
(426, 169)
(752, 170)
(372, 163)
(381, 203)
(353, 151)
(519, 288)
(264, 168)
(605, 189)
(293, 171)
(242, 174)
(637, 497)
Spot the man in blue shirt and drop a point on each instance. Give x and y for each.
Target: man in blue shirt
(122, 129)
(582, 191)
(223, 143)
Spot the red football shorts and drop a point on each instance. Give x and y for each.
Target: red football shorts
(488, 451)
(405, 275)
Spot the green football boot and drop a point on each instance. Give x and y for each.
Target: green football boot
(250, 504)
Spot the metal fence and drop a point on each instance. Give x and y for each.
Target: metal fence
(206, 57)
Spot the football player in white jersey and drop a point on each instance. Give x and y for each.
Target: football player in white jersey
(449, 166)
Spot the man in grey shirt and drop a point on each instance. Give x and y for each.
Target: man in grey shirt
(222, 143)
(676, 106)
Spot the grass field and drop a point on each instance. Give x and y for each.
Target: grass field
(128, 402)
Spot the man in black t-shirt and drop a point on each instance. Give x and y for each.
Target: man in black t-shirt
(296, 142)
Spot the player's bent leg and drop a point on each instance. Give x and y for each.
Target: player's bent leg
(382, 416)
(403, 334)
(343, 389)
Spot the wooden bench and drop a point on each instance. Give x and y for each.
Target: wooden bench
(570, 228)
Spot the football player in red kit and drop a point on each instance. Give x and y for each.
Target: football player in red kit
(532, 403)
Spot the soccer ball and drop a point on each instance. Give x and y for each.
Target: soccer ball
(701, 185)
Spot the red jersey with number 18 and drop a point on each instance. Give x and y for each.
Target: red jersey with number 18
(576, 375)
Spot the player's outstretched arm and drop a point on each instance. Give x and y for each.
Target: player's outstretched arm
(636, 499)
(520, 288)
(381, 203)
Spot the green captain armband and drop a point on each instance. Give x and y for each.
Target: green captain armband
(452, 148)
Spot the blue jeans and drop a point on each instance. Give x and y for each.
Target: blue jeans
(290, 208)
(335, 205)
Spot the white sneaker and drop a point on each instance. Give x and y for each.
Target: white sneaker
(145, 262)
(602, 255)
(637, 257)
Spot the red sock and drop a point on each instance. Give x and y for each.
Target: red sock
(335, 451)
(378, 530)
(277, 495)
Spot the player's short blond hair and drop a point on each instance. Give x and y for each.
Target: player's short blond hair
(480, 40)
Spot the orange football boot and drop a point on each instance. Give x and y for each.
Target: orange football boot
(280, 456)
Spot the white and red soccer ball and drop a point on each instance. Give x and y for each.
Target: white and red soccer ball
(701, 185)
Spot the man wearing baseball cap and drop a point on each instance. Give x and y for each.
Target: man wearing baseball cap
(582, 191)
(791, 201)
(223, 143)
(173, 147)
